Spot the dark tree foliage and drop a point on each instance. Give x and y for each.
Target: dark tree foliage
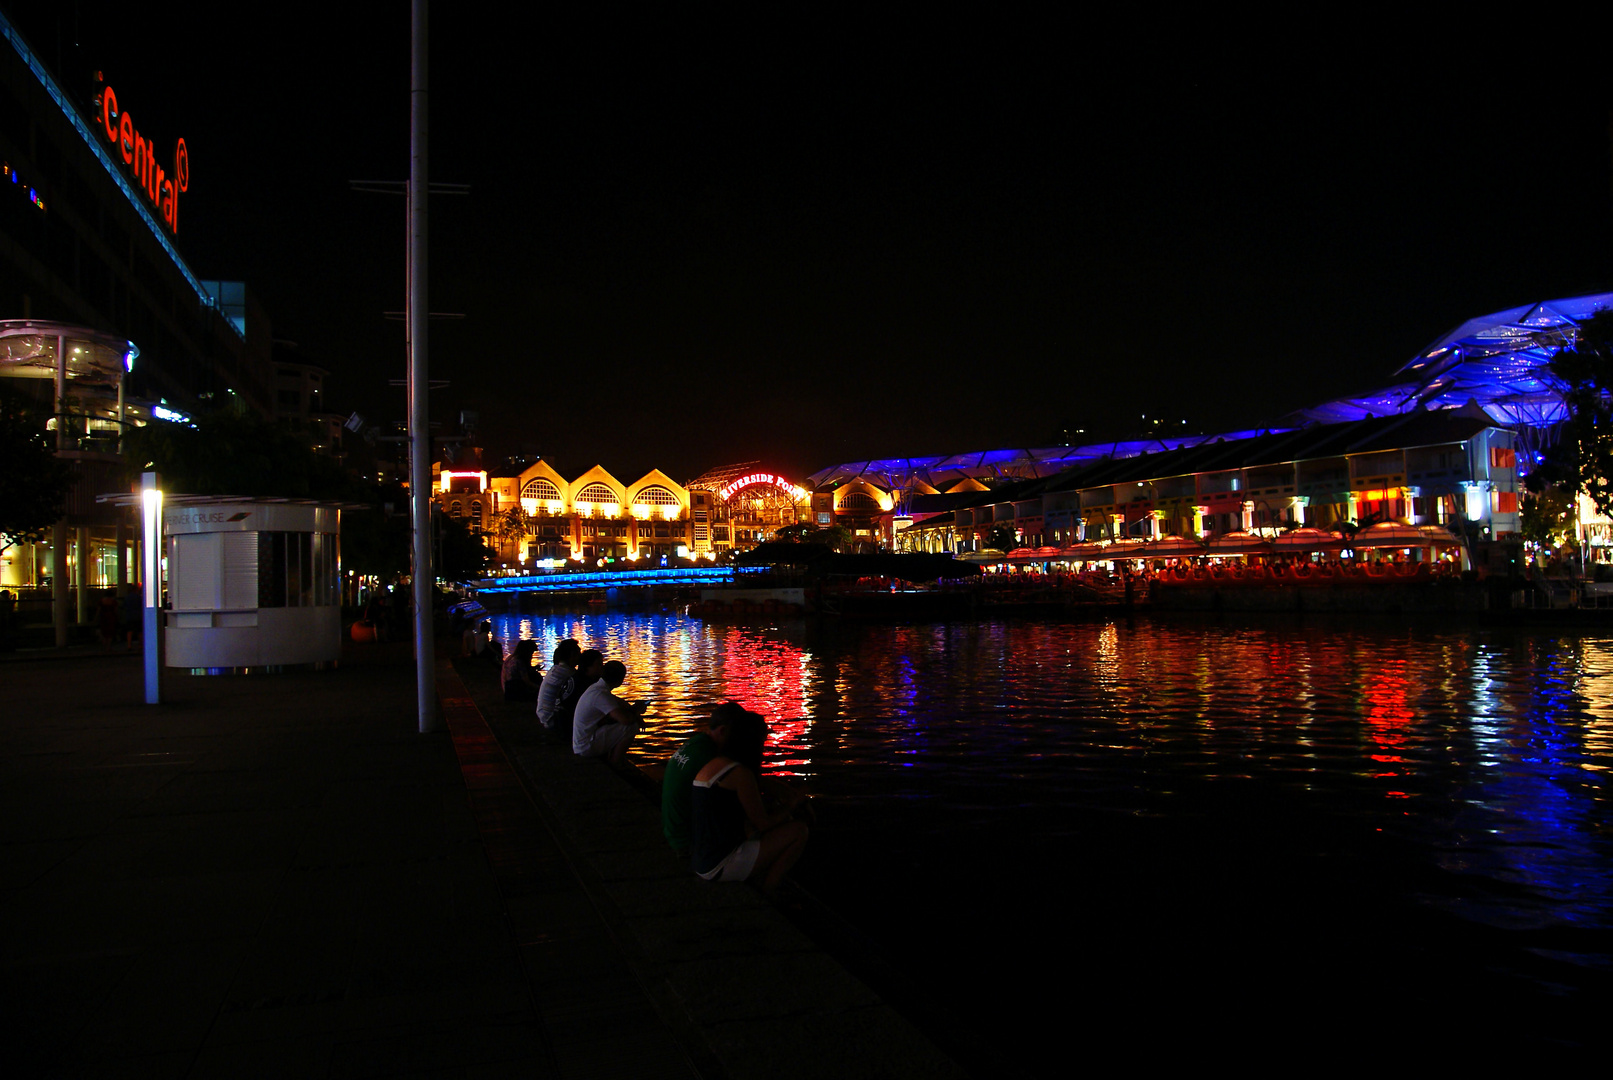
(236, 453)
(1582, 459)
(375, 542)
(461, 556)
(34, 482)
(1544, 517)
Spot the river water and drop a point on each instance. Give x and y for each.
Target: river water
(1148, 837)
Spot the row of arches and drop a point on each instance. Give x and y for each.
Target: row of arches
(540, 490)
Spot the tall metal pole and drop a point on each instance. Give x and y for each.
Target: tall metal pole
(419, 385)
(59, 581)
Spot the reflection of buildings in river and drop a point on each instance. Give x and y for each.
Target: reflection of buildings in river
(1385, 688)
(1532, 728)
(768, 675)
(1596, 687)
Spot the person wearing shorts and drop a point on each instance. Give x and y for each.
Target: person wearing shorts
(733, 837)
(604, 724)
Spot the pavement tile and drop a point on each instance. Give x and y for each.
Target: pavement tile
(719, 989)
(871, 1043)
(166, 1000)
(441, 1048)
(270, 1058)
(112, 1063)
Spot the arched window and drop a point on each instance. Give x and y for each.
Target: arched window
(539, 488)
(596, 493)
(655, 496)
(456, 509)
(857, 500)
(476, 509)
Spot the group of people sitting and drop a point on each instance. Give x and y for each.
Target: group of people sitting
(717, 809)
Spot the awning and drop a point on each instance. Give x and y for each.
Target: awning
(1240, 543)
(1309, 539)
(1173, 547)
(1394, 534)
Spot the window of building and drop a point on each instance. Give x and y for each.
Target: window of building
(858, 500)
(298, 570)
(655, 496)
(597, 493)
(540, 489)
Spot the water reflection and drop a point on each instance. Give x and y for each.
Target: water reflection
(1486, 753)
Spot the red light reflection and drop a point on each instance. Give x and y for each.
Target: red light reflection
(767, 676)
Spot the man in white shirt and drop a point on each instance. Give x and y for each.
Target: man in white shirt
(604, 724)
(557, 682)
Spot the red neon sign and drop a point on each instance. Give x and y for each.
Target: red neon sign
(139, 154)
(761, 478)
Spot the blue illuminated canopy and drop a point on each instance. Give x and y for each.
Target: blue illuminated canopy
(1498, 361)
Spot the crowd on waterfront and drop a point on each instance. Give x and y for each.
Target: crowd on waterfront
(717, 808)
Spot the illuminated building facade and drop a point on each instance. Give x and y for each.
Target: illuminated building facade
(596, 517)
(1444, 467)
(1493, 370)
(588, 518)
(90, 215)
(747, 504)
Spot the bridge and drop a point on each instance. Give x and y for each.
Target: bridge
(609, 579)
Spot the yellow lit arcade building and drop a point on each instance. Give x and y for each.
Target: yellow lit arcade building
(597, 516)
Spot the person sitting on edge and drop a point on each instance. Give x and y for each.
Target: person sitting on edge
(558, 681)
(677, 783)
(732, 836)
(515, 675)
(604, 724)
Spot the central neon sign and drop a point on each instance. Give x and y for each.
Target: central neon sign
(762, 478)
(139, 154)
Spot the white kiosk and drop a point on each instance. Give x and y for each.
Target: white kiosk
(253, 585)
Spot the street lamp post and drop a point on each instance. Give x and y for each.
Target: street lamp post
(151, 549)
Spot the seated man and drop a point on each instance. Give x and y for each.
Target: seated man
(604, 724)
(557, 682)
(677, 785)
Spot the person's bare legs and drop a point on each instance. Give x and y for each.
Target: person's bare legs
(781, 847)
(618, 753)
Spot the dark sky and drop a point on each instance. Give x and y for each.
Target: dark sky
(820, 237)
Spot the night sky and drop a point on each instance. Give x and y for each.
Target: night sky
(818, 237)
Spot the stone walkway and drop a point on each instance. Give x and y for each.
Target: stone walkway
(276, 875)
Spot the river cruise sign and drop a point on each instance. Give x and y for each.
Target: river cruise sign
(161, 185)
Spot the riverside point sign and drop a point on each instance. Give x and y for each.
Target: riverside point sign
(139, 155)
(733, 487)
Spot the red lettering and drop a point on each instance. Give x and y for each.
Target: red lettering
(109, 107)
(142, 159)
(140, 155)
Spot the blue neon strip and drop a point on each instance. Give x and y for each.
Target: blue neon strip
(607, 579)
(73, 117)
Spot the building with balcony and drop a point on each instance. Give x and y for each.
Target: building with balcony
(1451, 467)
(104, 324)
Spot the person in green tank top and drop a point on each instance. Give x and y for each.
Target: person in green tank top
(677, 784)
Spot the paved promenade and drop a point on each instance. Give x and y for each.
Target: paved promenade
(276, 876)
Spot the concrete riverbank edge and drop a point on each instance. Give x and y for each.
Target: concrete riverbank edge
(277, 875)
(746, 992)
